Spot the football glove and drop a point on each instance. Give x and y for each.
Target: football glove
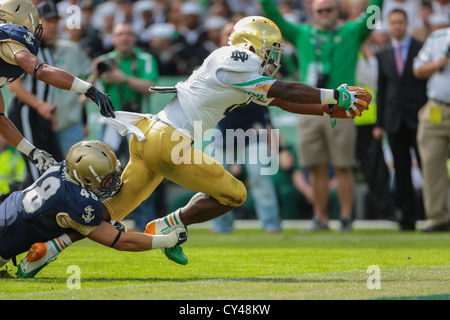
(102, 101)
(348, 99)
(41, 159)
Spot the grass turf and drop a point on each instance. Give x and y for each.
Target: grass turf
(251, 265)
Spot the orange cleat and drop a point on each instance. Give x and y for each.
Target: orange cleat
(36, 252)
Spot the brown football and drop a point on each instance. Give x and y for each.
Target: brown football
(363, 95)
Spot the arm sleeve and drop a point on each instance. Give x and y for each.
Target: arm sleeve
(8, 49)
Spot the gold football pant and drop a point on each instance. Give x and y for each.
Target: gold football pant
(159, 157)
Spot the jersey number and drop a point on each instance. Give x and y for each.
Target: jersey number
(34, 198)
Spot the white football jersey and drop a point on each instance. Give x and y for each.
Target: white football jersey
(229, 77)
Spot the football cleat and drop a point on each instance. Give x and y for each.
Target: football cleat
(38, 256)
(175, 253)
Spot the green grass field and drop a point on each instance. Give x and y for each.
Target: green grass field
(251, 265)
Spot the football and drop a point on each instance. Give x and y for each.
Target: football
(364, 99)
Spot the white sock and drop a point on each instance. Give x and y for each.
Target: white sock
(60, 243)
(171, 222)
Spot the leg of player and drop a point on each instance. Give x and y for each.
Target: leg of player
(200, 208)
(42, 253)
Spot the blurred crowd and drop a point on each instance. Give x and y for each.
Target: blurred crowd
(180, 34)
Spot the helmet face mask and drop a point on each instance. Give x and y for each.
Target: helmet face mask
(93, 165)
(22, 13)
(262, 36)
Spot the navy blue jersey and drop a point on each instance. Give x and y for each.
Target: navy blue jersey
(29, 216)
(10, 72)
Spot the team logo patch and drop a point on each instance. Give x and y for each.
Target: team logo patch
(29, 37)
(89, 216)
(239, 55)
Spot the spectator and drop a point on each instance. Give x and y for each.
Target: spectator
(379, 203)
(143, 15)
(411, 7)
(162, 39)
(433, 136)
(219, 8)
(214, 26)
(400, 96)
(422, 32)
(37, 124)
(105, 15)
(441, 6)
(193, 34)
(89, 38)
(327, 55)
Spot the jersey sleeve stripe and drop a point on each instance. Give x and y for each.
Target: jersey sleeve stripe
(253, 82)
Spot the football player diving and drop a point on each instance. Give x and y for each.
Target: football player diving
(20, 31)
(231, 76)
(68, 195)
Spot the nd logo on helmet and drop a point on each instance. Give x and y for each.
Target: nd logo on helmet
(239, 55)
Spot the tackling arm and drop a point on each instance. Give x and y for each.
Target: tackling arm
(63, 80)
(108, 235)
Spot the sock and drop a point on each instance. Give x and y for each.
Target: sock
(174, 220)
(165, 224)
(59, 243)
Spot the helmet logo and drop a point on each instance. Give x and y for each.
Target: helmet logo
(239, 55)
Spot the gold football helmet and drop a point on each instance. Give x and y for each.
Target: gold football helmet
(94, 166)
(264, 36)
(23, 13)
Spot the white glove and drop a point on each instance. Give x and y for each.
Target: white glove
(41, 159)
(177, 236)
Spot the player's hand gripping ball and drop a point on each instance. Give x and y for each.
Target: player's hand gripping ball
(356, 109)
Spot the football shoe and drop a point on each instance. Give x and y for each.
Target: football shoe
(38, 256)
(176, 254)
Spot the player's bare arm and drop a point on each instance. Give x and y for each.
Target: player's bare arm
(108, 235)
(64, 80)
(7, 129)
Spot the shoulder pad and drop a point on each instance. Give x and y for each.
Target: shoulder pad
(239, 59)
(21, 35)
